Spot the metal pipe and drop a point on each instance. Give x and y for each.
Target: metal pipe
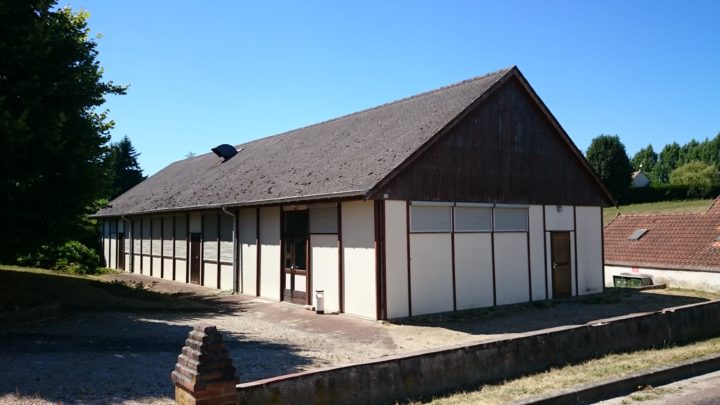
(234, 240)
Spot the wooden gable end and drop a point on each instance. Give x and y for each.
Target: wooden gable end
(506, 150)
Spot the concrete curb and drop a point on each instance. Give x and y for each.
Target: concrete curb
(615, 387)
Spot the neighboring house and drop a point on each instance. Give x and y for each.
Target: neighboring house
(639, 179)
(468, 196)
(681, 250)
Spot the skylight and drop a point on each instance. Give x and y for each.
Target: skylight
(637, 234)
(225, 151)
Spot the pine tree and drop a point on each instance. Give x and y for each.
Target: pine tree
(125, 172)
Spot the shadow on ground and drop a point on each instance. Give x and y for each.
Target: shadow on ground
(116, 356)
(522, 318)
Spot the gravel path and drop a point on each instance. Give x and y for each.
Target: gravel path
(121, 357)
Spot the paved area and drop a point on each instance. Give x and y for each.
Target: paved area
(127, 357)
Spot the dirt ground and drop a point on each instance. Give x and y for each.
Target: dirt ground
(127, 357)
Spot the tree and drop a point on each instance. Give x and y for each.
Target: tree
(53, 137)
(668, 160)
(645, 159)
(607, 156)
(125, 172)
(699, 177)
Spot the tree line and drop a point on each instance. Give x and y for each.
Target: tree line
(57, 164)
(678, 171)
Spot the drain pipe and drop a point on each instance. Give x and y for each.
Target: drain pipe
(235, 256)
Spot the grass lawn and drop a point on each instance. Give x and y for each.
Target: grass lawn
(25, 290)
(612, 366)
(661, 207)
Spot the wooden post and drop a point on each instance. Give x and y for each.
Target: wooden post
(204, 373)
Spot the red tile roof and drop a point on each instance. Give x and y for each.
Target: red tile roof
(673, 241)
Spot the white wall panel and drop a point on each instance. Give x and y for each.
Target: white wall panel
(156, 263)
(325, 270)
(537, 252)
(167, 268)
(589, 249)
(511, 268)
(473, 270)
(431, 273)
(559, 221)
(113, 251)
(226, 277)
(226, 238)
(359, 258)
(396, 276)
(248, 251)
(210, 273)
(146, 260)
(137, 259)
(270, 252)
(181, 270)
(210, 237)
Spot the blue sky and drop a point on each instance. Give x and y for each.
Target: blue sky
(205, 73)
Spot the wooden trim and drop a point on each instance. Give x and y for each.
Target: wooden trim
(308, 257)
(282, 258)
(238, 253)
(547, 296)
(380, 274)
(258, 259)
(341, 260)
(554, 122)
(407, 248)
(187, 248)
(602, 248)
(141, 245)
(575, 235)
(174, 260)
(529, 263)
(377, 188)
(492, 255)
(452, 259)
(162, 247)
(217, 238)
(117, 243)
(151, 248)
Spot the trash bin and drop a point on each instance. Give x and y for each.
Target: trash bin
(319, 301)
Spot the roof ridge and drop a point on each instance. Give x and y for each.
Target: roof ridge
(499, 71)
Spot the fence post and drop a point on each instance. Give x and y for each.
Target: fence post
(204, 373)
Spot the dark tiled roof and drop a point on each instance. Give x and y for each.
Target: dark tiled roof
(344, 156)
(672, 241)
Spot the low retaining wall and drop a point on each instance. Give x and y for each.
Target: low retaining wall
(434, 372)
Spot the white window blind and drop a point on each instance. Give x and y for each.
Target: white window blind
(473, 219)
(430, 218)
(511, 219)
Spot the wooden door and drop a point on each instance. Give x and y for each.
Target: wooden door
(561, 276)
(296, 263)
(121, 251)
(195, 252)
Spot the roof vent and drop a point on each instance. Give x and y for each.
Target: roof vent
(637, 234)
(225, 151)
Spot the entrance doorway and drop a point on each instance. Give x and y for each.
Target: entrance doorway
(561, 276)
(195, 251)
(296, 263)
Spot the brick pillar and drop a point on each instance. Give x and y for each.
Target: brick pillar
(204, 373)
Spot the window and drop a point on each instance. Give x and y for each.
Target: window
(473, 219)
(637, 234)
(511, 219)
(430, 218)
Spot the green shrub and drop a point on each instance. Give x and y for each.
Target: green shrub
(72, 257)
(76, 258)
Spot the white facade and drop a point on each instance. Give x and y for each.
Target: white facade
(687, 279)
(437, 256)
